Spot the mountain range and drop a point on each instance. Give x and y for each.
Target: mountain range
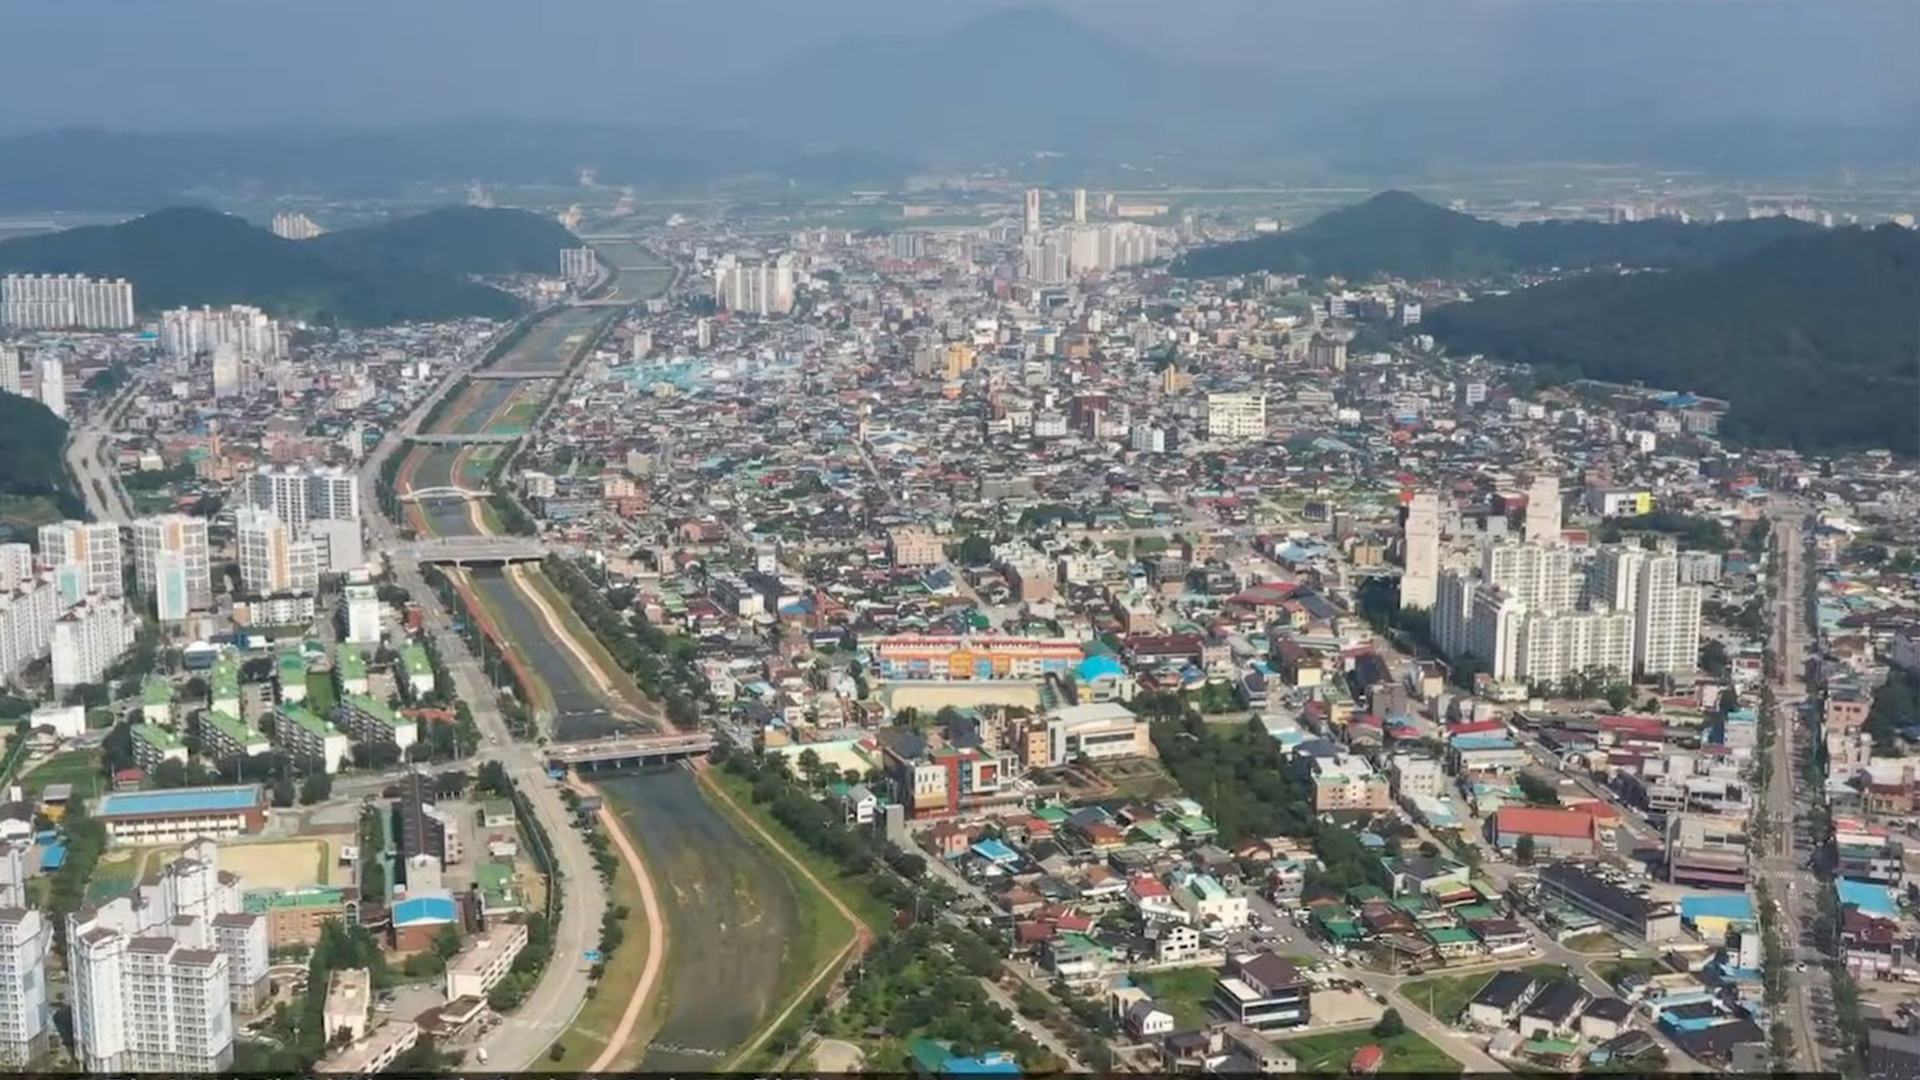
(418, 268)
(1402, 235)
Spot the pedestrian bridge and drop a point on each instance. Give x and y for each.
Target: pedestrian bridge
(456, 439)
(628, 751)
(464, 550)
(431, 493)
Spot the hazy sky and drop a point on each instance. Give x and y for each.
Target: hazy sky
(218, 64)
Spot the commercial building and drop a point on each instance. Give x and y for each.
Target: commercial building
(1236, 416)
(171, 564)
(181, 814)
(301, 734)
(1706, 850)
(65, 302)
(88, 638)
(1556, 833)
(485, 960)
(1096, 731)
(370, 720)
(940, 658)
(93, 549)
(1584, 888)
(26, 1023)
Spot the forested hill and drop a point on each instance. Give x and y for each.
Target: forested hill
(1401, 235)
(1812, 339)
(31, 441)
(408, 269)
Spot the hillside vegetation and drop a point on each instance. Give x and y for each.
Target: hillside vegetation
(1401, 235)
(1812, 339)
(409, 269)
(31, 442)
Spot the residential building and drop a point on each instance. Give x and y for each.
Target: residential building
(1264, 992)
(304, 736)
(53, 385)
(360, 611)
(154, 745)
(295, 226)
(1499, 1002)
(88, 638)
(247, 332)
(26, 1023)
(224, 736)
(273, 559)
(374, 1054)
(1235, 417)
(1345, 782)
(912, 545)
(348, 1005)
(10, 369)
(65, 302)
(370, 720)
(1543, 510)
(1210, 904)
(27, 613)
(1420, 579)
(171, 564)
(93, 549)
(930, 779)
(579, 266)
(754, 286)
(299, 495)
(146, 1003)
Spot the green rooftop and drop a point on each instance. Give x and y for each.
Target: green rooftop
(225, 682)
(157, 690)
(375, 708)
(1451, 935)
(292, 664)
(232, 727)
(350, 662)
(414, 656)
(157, 737)
(305, 719)
(260, 901)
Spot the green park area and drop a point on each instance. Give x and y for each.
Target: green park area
(81, 768)
(1329, 1054)
(1184, 992)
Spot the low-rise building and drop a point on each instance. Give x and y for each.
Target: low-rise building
(304, 736)
(485, 959)
(1264, 992)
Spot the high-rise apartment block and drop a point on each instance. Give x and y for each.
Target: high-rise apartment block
(93, 550)
(171, 565)
(300, 495)
(26, 1024)
(87, 638)
(9, 368)
(193, 331)
(273, 558)
(1420, 541)
(53, 385)
(578, 265)
(752, 286)
(295, 226)
(65, 302)
(1030, 221)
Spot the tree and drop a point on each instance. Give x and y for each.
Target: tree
(1523, 850)
(1539, 791)
(317, 787)
(1390, 1024)
(283, 792)
(557, 1051)
(1714, 659)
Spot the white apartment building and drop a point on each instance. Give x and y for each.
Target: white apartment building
(171, 564)
(65, 301)
(1413, 776)
(300, 495)
(1420, 579)
(301, 734)
(578, 265)
(9, 368)
(295, 226)
(187, 332)
(88, 638)
(1554, 645)
(26, 1028)
(485, 960)
(94, 549)
(360, 607)
(1236, 416)
(754, 286)
(53, 385)
(27, 614)
(1666, 636)
(16, 565)
(1543, 510)
(1493, 632)
(1537, 575)
(148, 1003)
(272, 559)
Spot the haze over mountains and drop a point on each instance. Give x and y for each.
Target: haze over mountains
(859, 92)
(417, 268)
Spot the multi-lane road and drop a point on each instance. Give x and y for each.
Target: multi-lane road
(517, 1043)
(100, 483)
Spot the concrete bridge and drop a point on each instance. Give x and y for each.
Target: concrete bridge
(628, 751)
(461, 550)
(514, 373)
(454, 439)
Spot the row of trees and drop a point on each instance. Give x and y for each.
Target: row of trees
(661, 664)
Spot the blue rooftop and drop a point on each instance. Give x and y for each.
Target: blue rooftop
(1716, 907)
(52, 856)
(419, 909)
(994, 850)
(1871, 899)
(179, 801)
(1098, 667)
